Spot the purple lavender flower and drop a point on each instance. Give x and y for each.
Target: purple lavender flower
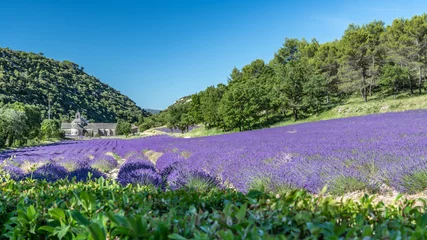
(15, 172)
(82, 174)
(49, 172)
(386, 150)
(141, 176)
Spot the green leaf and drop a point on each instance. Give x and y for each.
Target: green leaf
(57, 213)
(88, 200)
(241, 213)
(47, 229)
(324, 189)
(398, 197)
(31, 212)
(96, 232)
(61, 231)
(80, 219)
(176, 237)
(117, 219)
(254, 194)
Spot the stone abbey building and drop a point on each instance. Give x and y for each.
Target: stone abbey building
(81, 127)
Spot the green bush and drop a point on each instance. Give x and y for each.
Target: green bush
(103, 209)
(50, 129)
(123, 128)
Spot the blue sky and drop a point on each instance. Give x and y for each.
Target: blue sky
(158, 51)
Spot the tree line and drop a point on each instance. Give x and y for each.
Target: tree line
(22, 124)
(306, 78)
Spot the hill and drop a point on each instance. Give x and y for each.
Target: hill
(152, 111)
(34, 79)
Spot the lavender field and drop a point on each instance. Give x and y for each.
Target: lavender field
(377, 152)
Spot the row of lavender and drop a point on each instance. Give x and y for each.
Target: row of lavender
(378, 150)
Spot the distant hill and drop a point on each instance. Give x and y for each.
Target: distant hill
(152, 111)
(32, 79)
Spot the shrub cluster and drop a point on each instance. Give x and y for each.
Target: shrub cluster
(106, 210)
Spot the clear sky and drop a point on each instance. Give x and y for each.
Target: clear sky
(158, 51)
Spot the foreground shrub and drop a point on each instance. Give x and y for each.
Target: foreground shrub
(104, 209)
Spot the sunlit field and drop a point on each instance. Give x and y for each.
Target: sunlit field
(376, 153)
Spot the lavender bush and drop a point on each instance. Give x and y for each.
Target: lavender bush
(377, 152)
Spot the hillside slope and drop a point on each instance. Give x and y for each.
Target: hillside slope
(33, 79)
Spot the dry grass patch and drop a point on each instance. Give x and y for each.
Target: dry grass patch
(29, 167)
(153, 155)
(387, 199)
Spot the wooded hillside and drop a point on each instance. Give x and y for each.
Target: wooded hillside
(33, 79)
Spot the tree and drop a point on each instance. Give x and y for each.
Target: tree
(33, 119)
(292, 77)
(147, 124)
(232, 107)
(195, 110)
(398, 47)
(174, 116)
(50, 128)
(394, 77)
(123, 128)
(185, 122)
(416, 29)
(288, 52)
(326, 62)
(209, 101)
(12, 127)
(315, 91)
(360, 53)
